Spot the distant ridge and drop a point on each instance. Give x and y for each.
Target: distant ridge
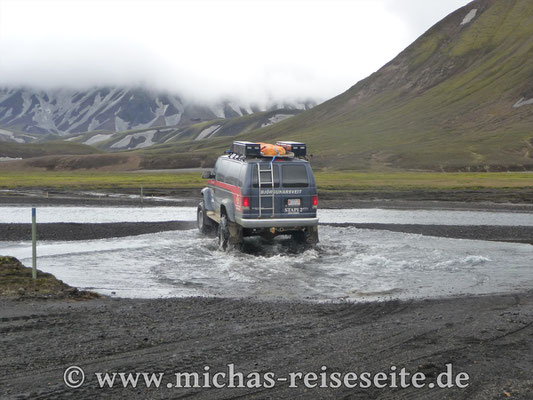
(112, 109)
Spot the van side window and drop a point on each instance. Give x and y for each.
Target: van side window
(216, 168)
(242, 175)
(233, 174)
(221, 170)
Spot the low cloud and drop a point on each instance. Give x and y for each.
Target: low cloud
(254, 50)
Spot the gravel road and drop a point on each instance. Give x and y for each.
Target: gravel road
(488, 337)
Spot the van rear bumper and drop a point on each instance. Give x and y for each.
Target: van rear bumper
(276, 222)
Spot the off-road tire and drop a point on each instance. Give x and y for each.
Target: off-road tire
(223, 232)
(308, 236)
(203, 222)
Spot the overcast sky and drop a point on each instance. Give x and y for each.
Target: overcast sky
(252, 49)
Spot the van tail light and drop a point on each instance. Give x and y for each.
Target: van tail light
(246, 202)
(315, 201)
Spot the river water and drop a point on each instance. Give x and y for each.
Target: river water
(348, 264)
(368, 215)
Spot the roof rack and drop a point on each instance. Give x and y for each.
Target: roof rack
(299, 149)
(246, 148)
(254, 149)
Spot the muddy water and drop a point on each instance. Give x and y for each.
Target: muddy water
(349, 264)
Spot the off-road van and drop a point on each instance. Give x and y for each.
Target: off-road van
(260, 189)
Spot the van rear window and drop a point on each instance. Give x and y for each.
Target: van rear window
(294, 176)
(266, 175)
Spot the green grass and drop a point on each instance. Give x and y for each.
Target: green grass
(16, 281)
(422, 180)
(14, 275)
(98, 180)
(340, 180)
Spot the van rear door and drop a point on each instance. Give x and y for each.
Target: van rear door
(297, 190)
(293, 189)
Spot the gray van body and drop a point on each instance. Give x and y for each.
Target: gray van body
(282, 205)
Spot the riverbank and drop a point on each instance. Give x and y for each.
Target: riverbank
(189, 197)
(77, 231)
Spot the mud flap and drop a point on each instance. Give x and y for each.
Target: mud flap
(235, 233)
(307, 235)
(311, 235)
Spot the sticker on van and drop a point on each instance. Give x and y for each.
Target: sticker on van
(281, 191)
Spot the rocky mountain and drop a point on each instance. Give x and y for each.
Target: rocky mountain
(459, 98)
(200, 131)
(66, 111)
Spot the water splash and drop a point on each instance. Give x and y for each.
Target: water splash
(349, 263)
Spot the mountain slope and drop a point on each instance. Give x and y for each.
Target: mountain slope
(67, 111)
(459, 97)
(29, 150)
(220, 127)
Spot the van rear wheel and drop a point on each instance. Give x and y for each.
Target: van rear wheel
(307, 236)
(299, 237)
(230, 234)
(223, 232)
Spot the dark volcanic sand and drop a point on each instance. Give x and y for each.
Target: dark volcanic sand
(490, 338)
(75, 231)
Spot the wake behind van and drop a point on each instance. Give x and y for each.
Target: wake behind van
(260, 189)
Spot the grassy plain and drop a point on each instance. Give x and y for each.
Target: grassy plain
(338, 180)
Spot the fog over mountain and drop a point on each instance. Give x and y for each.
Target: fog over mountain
(115, 109)
(255, 51)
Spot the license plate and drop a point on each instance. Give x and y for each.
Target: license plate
(293, 202)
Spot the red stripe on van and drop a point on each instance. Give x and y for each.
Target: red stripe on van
(235, 190)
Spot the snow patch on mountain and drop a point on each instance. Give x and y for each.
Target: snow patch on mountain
(2, 159)
(98, 138)
(172, 120)
(236, 108)
(522, 102)
(469, 17)
(276, 118)
(218, 110)
(8, 136)
(135, 140)
(207, 132)
(120, 124)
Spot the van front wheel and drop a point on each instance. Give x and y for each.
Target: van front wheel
(205, 226)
